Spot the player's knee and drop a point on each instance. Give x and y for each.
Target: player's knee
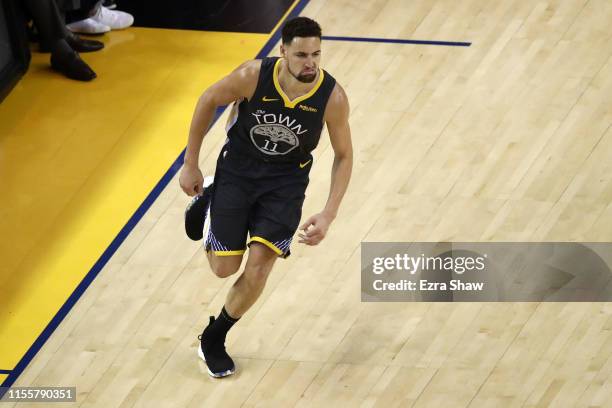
(225, 269)
(257, 273)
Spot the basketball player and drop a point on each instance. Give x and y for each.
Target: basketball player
(280, 107)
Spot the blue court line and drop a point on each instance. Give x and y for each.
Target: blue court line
(123, 234)
(398, 41)
(5, 372)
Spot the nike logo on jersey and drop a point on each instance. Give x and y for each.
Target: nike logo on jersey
(302, 165)
(266, 99)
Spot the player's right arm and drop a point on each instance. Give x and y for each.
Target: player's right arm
(240, 83)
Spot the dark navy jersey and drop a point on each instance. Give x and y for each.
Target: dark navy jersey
(273, 128)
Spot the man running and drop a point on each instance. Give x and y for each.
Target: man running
(280, 107)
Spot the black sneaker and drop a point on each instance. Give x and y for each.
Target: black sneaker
(219, 363)
(195, 214)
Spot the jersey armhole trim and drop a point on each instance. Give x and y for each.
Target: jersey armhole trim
(259, 82)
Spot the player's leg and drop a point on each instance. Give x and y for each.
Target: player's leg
(223, 266)
(226, 226)
(247, 289)
(243, 294)
(198, 225)
(272, 222)
(225, 246)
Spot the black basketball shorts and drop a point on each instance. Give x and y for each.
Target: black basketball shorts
(255, 201)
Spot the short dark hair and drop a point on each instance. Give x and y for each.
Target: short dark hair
(300, 27)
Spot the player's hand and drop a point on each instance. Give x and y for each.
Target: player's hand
(191, 180)
(315, 228)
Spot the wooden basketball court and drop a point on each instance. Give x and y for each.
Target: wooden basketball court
(508, 139)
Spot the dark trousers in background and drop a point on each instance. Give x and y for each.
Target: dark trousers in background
(79, 12)
(47, 18)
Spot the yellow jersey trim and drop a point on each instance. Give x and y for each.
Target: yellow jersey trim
(288, 102)
(267, 243)
(229, 253)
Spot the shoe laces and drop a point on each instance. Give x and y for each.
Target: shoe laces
(103, 13)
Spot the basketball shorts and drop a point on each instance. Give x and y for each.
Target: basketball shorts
(255, 201)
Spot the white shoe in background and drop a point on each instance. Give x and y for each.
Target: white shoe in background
(88, 26)
(109, 4)
(115, 19)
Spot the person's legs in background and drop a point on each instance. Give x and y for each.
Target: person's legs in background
(76, 43)
(52, 31)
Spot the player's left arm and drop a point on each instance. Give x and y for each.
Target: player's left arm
(336, 117)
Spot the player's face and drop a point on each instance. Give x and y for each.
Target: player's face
(303, 55)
